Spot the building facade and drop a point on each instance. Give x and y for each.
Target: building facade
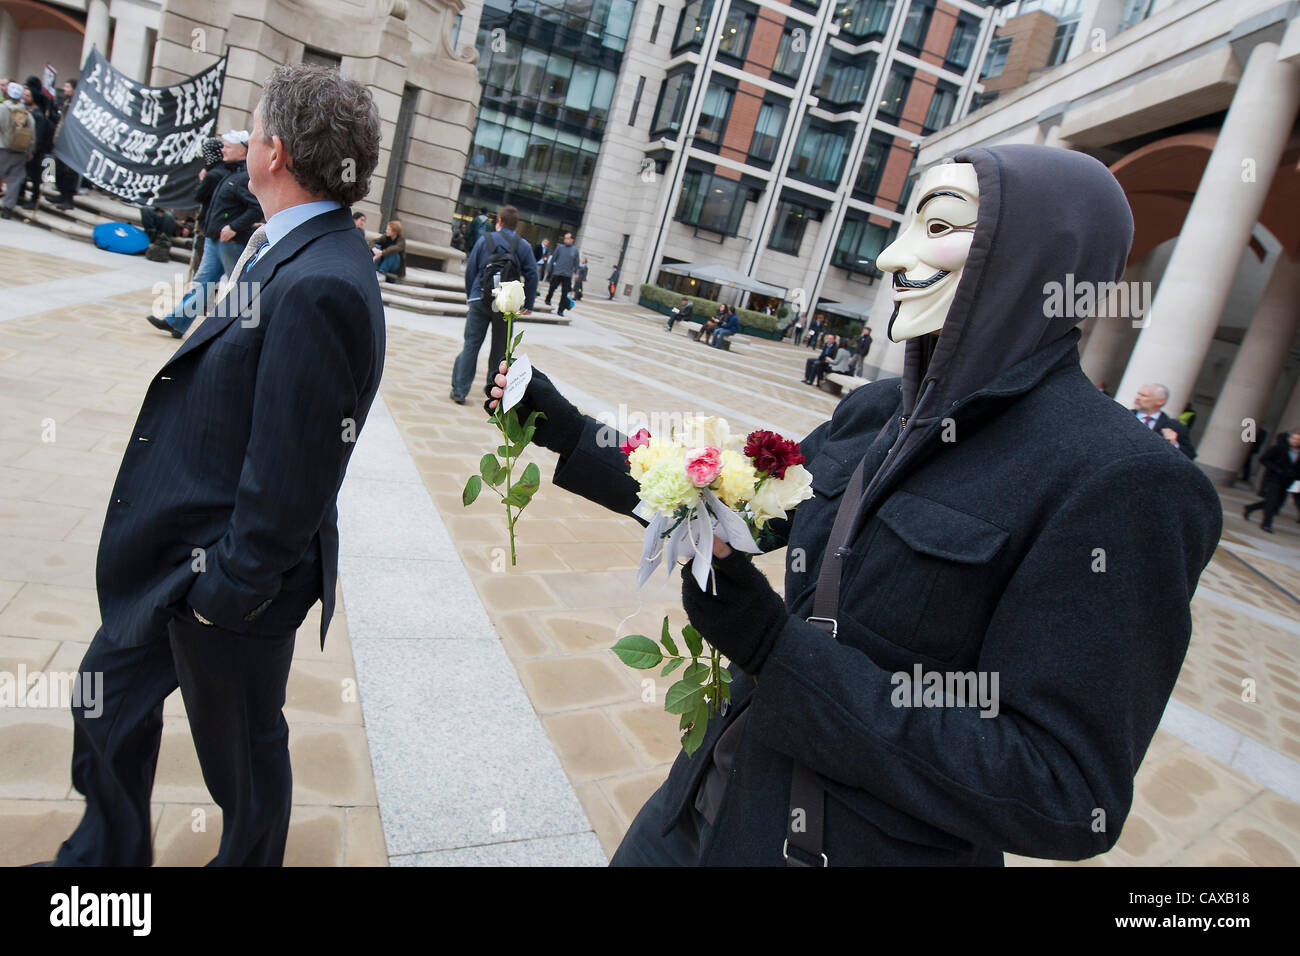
(1193, 105)
(408, 52)
(771, 138)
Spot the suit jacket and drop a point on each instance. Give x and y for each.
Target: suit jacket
(226, 496)
(1184, 436)
(1278, 464)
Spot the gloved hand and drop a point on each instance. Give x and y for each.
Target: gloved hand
(562, 424)
(746, 616)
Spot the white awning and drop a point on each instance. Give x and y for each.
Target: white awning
(723, 275)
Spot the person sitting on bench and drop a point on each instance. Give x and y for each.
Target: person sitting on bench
(729, 328)
(705, 334)
(683, 312)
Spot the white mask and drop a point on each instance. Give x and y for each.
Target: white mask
(930, 253)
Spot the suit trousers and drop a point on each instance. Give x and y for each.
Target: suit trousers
(1273, 496)
(233, 686)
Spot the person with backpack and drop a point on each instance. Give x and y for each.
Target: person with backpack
(17, 145)
(480, 227)
(500, 256)
(41, 109)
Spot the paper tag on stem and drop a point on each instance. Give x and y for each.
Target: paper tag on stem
(518, 376)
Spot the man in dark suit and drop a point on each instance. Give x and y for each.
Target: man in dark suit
(1281, 467)
(1149, 401)
(222, 528)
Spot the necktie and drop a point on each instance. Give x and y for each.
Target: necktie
(1149, 421)
(255, 242)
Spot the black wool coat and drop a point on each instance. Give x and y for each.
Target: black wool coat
(1064, 565)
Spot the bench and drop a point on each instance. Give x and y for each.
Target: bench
(839, 384)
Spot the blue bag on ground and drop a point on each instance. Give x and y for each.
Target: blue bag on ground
(121, 237)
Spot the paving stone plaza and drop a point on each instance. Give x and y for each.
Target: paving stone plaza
(467, 712)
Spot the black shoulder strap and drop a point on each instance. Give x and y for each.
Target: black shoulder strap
(806, 819)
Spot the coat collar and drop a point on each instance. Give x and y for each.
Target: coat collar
(249, 287)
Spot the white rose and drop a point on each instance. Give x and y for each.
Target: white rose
(713, 431)
(778, 495)
(509, 297)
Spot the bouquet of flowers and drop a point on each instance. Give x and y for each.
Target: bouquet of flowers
(702, 484)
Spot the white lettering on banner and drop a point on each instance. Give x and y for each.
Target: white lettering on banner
(129, 185)
(99, 122)
(137, 145)
(180, 148)
(151, 109)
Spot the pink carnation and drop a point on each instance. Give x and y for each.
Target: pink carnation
(639, 440)
(703, 465)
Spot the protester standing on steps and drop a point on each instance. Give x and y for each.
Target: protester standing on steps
(17, 144)
(232, 214)
(65, 177)
(35, 101)
(502, 254)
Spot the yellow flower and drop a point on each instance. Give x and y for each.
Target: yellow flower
(644, 458)
(736, 483)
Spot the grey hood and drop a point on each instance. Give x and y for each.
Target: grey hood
(1044, 212)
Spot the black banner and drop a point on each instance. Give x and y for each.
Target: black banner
(143, 144)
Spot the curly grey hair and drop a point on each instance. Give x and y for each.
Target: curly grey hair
(329, 125)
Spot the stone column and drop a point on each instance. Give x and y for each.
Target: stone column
(1113, 336)
(1291, 415)
(9, 34)
(1259, 361)
(1185, 314)
(96, 29)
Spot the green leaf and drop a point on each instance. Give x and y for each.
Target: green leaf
(694, 737)
(532, 475)
(532, 419)
(685, 721)
(726, 689)
(515, 499)
(491, 470)
(682, 697)
(472, 488)
(694, 641)
(637, 650)
(515, 344)
(529, 432)
(513, 432)
(697, 673)
(725, 675)
(666, 639)
(504, 451)
(673, 664)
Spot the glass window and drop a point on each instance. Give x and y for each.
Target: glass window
(654, 28)
(791, 51)
(555, 85)
(895, 95)
(672, 103)
(819, 154)
(713, 113)
(872, 167)
(981, 99)
(711, 202)
(915, 23)
(690, 28)
(531, 74)
(788, 230)
(843, 80)
(1061, 42)
(767, 131)
(942, 105)
(600, 98)
(617, 24)
(1135, 11)
(865, 18)
(733, 40)
(996, 58)
(636, 100)
(962, 46)
(859, 244)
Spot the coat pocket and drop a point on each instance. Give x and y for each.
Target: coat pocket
(929, 578)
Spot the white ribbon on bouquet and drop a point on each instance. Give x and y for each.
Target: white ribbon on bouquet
(692, 537)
